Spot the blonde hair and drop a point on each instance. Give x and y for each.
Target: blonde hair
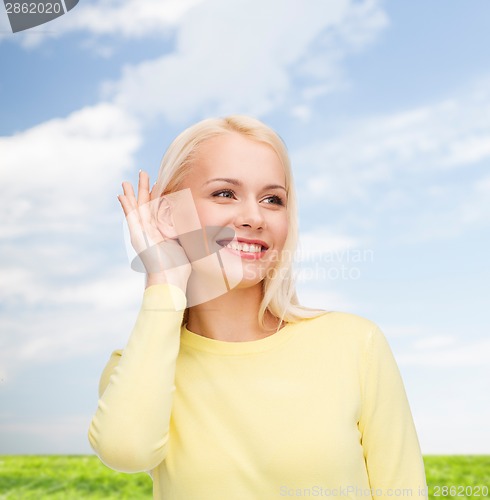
(279, 294)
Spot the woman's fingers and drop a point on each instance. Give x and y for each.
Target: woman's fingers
(129, 195)
(141, 224)
(130, 207)
(144, 199)
(154, 192)
(143, 188)
(139, 239)
(126, 206)
(130, 200)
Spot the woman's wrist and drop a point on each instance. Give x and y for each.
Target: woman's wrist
(156, 279)
(170, 277)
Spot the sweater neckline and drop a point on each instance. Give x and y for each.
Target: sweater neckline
(201, 343)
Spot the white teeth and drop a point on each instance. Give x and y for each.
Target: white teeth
(244, 247)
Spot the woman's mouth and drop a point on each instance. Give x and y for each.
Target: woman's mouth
(249, 250)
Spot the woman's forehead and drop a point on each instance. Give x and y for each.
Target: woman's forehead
(233, 152)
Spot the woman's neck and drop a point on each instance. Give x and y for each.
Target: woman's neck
(232, 317)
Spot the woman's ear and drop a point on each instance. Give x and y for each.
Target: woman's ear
(165, 221)
(177, 214)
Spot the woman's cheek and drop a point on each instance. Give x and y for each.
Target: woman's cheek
(283, 232)
(212, 214)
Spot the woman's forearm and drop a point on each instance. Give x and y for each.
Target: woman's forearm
(130, 428)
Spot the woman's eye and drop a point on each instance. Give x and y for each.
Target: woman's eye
(274, 200)
(227, 193)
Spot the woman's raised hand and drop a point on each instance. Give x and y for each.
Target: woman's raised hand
(163, 258)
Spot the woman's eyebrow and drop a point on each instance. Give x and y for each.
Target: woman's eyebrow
(275, 186)
(236, 182)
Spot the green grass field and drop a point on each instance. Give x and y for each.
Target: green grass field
(81, 477)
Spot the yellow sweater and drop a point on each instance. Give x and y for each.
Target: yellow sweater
(316, 409)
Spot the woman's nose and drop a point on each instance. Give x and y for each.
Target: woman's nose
(249, 214)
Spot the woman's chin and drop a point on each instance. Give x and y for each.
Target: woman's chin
(216, 275)
(207, 281)
(241, 272)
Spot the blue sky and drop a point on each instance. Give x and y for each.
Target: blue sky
(385, 108)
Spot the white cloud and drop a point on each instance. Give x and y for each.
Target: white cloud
(58, 173)
(423, 345)
(445, 374)
(370, 152)
(56, 203)
(323, 299)
(130, 19)
(455, 417)
(71, 320)
(417, 345)
(60, 434)
(322, 241)
(483, 185)
(434, 342)
(243, 57)
(324, 257)
(446, 351)
(302, 112)
(401, 170)
(65, 425)
(108, 290)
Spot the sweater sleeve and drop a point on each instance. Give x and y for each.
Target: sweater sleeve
(390, 444)
(129, 431)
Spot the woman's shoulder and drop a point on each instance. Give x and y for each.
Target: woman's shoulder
(339, 319)
(340, 326)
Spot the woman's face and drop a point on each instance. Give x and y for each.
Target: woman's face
(239, 184)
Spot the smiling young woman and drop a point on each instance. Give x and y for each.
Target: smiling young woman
(228, 388)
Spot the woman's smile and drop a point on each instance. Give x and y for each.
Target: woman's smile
(248, 249)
